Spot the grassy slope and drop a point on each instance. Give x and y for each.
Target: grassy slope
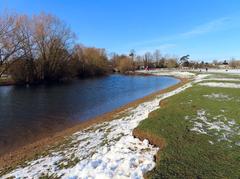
(189, 154)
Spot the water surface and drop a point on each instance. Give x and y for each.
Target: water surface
(29, 113)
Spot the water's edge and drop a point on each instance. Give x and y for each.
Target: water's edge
(28, 151)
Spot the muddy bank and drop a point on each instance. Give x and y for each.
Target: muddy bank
(156, 141)
(7, 82)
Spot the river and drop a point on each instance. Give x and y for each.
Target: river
(28, 113)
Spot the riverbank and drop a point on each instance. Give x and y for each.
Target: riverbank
(33, 151)
(6, 82)
(200, 139)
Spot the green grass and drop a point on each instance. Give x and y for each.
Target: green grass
(189, 154)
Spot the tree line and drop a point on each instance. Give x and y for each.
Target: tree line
(42, 48)
(131, 62)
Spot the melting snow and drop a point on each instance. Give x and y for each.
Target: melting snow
(225, 129)
(222, 85)
(224, 79)
(181, 74)
(218, 96)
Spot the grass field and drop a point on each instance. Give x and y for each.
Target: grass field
(201, 129)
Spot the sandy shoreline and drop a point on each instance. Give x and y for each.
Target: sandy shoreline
(27, 152)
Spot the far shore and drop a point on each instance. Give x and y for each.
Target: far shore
(27, 152)
(6, 82)
(11, 82)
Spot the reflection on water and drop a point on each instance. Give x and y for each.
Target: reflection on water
(28, 113)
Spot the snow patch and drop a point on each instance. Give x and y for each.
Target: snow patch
(223, 71)
(176, 73)
(200, 77)
(221, 85)
(224, 79)
(219, 126)
(218, 96)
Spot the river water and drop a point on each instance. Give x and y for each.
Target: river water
(29, 113)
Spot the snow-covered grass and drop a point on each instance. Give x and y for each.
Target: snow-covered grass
(106, 150)
(218, 96)
(223, 128)
(201, 127)
(220, 84)
(224, 79)
(174, 72)
(218, 71)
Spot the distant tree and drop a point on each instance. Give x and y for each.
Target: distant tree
(148, 59)
(132, 54)
(234, 63)
(162, 62)
(202, 64)
(215, 62)
(138, 62)
(157, 58)
(225, 62)
(89, 61)
(171, 63)
(184, 60)
(124, 63)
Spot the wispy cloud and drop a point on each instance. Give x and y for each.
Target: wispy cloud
(219, 24)
(212, 26)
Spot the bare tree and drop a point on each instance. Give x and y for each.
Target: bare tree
(41, 48)
(148, 58)
(233, 63)
(10, 43)
(53, 41)
(171, 63)
(28, 47)
(90, 61)
(157, 57)
(125, 64)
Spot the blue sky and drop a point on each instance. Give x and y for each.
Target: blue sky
(205, 29)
